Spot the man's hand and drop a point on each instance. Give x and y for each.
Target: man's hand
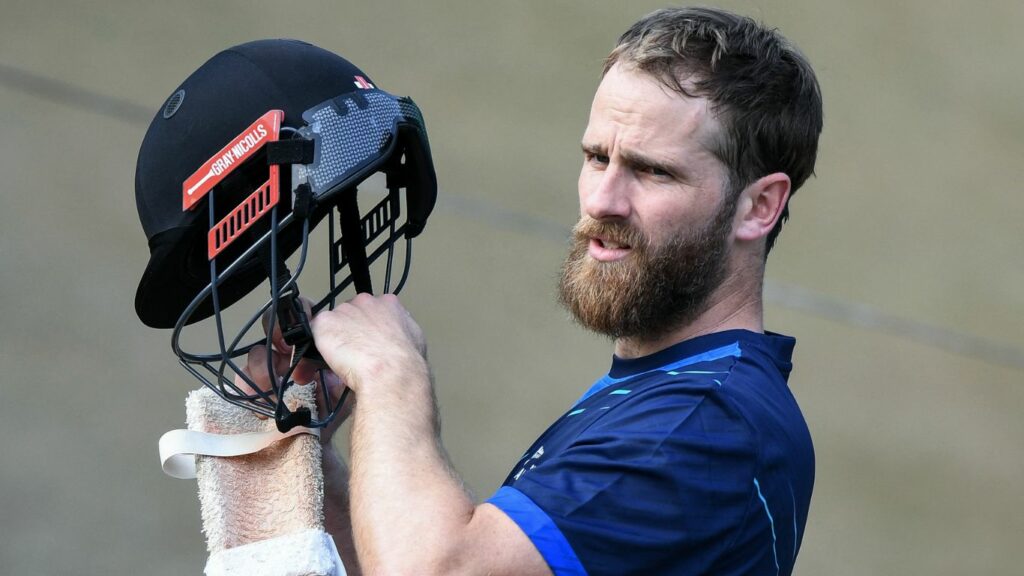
(372, 343)
(306, 372)
(336, 502)
(410, 514)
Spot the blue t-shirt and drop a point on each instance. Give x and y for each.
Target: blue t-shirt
(693, 460)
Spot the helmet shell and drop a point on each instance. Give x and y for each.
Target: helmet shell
(214, 104)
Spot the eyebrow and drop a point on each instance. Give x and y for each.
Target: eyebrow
(595, 149)
(636, 158)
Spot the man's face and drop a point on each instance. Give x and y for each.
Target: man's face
(655, 226)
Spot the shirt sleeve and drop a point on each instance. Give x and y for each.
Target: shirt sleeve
(656, 485)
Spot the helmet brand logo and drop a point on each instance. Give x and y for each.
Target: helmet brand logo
(243, 146)
(248, 142)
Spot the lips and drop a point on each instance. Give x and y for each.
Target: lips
(605, 249)
(611, 244)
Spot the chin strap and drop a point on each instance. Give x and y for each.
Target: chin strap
(353, 242)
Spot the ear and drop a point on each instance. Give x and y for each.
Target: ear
(760, 206)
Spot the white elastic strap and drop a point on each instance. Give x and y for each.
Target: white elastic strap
(178, 448)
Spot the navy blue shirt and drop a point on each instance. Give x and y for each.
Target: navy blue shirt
(693, 460)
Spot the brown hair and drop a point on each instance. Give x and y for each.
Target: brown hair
(761, 88)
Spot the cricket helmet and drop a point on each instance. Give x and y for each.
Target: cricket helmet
(254, 149)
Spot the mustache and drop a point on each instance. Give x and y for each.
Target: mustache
(618, 232)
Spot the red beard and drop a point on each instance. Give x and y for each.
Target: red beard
(654, 289)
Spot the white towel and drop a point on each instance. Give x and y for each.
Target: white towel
(309, 553)
(262, 512)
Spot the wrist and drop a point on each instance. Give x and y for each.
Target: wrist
(394, 378)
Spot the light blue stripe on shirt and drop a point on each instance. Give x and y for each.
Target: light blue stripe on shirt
(540, 529)
(716, 354)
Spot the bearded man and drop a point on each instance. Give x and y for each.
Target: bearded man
(690, 456)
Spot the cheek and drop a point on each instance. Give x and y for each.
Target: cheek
(661, 222)
(669, 213)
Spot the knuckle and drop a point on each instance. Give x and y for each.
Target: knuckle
(325, 318)
(257, 354)
(317, 321)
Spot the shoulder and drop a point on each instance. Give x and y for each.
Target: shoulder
(735, 404)
(683, 461)
(705, 398)
(663, 468)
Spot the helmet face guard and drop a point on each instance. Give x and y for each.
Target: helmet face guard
(290, 179)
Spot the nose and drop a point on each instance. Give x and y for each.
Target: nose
(604, 195)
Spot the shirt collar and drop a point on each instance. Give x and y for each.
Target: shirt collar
(779, 347)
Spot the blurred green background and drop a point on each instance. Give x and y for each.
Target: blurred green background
(900, 272)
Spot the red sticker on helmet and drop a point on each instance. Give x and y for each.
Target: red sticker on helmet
(264, 130)
(242, 217)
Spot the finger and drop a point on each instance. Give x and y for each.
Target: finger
(246, 387)
(256, 368)
(305, 372)
(245, 383)
(276, 338)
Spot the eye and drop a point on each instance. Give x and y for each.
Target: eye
(592, 158)
(655, 171)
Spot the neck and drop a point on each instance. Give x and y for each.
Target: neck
(736, 304)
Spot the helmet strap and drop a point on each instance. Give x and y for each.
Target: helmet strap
(353, 242)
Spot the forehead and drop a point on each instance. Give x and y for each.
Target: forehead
(634, 109)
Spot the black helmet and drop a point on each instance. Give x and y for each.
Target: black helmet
(254, 149)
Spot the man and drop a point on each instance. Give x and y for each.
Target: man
(691, 455)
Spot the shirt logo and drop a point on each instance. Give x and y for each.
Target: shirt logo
(362, 83)
(529, 463)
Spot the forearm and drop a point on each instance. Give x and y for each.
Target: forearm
(409, 512)
(337, 520)
(409, 509)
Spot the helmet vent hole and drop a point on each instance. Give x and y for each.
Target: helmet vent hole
(173, 103)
